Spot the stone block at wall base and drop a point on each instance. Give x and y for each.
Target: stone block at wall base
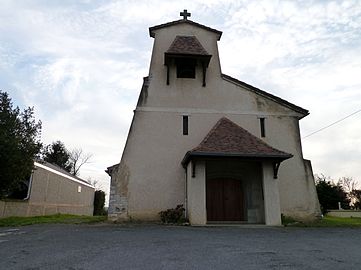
(304, 216)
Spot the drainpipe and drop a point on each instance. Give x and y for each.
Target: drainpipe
(185, 194)
(29, 187)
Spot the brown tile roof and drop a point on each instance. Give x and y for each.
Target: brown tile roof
(228, 139)
(267, 95)
(152, 29)
(186, 45)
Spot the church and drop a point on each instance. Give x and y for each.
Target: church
(226, 150)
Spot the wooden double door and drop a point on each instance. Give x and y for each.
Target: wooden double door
(224, 200)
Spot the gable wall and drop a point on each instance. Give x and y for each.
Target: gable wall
(51, 193)
(163, 40)
(151, 178)
(189, 93)
(156, 146)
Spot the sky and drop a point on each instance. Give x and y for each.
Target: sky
(80, 64)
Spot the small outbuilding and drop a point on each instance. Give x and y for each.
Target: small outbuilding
(51, 190)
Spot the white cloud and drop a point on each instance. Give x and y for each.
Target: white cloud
(81, 65)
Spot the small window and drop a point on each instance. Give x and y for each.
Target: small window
(262, 124)
(186, 68)
(79, 189)
(185, 124)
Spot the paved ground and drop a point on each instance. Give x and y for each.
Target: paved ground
(162, 247)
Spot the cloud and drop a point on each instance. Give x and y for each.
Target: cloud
(81, 63)
(308, 54)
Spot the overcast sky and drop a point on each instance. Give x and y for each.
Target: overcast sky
(81, 64)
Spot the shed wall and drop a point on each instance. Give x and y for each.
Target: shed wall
(51, 194)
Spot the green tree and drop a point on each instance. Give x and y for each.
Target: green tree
(99, 201)
(350, 186)
(19, 144)
(56, 153)
(71, 161)
(329, 194)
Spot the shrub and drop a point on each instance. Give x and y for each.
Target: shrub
(99, 201)
(286, 220)
(329, 195)
(173, 215)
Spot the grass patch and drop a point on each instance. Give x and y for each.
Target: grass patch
(326, 221)
(58, 218)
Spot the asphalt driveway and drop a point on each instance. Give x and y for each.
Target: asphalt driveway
(170, 247)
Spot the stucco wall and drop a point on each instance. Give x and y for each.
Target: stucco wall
(13, 208)
(154, 166)
(59, 195)
(196, 191)
(51, 194)
(271, 196)
(152, 178)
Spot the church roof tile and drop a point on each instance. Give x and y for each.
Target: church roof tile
(186, 45)
(228, 139)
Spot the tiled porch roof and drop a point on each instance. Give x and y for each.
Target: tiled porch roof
(227, 139)
(187, 45)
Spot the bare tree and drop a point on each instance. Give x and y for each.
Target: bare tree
(95, 183)
(350, 186)
(356, 199)
(347, 183)
(323, 178)
(78, 158)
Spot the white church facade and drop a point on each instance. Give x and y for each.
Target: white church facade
(227, 151)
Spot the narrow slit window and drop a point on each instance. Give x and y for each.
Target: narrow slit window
(185, 124)
(263, 129)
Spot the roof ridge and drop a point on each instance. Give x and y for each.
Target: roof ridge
(211, 131)
(228, 135)
(225, 119)
(159, 26)
(185, 44)
(253, 136)
(60, 169)
(228, 139)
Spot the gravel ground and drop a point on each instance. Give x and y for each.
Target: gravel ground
(170, 247)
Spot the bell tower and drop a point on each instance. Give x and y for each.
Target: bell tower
(185, 53)
(185, 56)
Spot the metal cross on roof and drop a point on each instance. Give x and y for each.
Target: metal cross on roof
(185, 14)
